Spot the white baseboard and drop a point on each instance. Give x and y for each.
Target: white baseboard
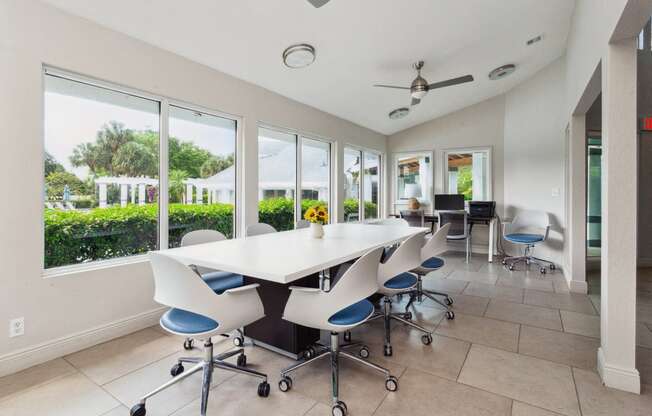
(578, 286)
(40, 353)
(626, 379)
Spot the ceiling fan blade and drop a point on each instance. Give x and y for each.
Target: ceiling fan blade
(450, 82)
(318, 3)
(391, 86)
(415, 101)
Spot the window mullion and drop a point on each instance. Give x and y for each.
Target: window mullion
(163, 188)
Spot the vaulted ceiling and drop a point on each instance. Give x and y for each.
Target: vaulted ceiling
(358, 42)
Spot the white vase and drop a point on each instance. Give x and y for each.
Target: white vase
(316, 230)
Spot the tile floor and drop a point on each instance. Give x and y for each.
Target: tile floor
(521, 345)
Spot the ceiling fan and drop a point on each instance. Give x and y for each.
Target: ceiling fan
(420, 86)
(318, 3)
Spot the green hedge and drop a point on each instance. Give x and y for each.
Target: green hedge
(73, 237)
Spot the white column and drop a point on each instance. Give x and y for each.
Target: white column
(141, 194)
(200, 195)
(617, 353)
(576, 194)
(189, 192)
(102, 191)
(124, 194)
(133, 194)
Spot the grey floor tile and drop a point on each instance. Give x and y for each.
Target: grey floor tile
(598, 400)
(34, 376)
(512, 294)
(524, 314)
(574, 350)
(522, 409)
(481, 330)
(566, 301)
(541, 283)
(470, 276)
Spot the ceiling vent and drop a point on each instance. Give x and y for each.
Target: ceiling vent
(502, 71)
(399, 113)
(299, 56)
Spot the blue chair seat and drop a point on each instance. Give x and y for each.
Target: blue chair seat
(185, 322)
(523, 238)
(353, 314)
(221, 281)
(402, 281)
(433, 263)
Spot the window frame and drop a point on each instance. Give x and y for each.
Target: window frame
(163, 195)
(473, 149)
(430, 192)
(299, 135)
(381, 180)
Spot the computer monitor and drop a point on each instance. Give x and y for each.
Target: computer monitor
(449, 202)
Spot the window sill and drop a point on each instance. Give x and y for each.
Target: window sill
(75, 269)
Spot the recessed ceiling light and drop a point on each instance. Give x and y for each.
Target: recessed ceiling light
(399, 113)
(534, 40)
(299, 56)
(502, 71)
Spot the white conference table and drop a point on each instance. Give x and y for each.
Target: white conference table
(274, 260)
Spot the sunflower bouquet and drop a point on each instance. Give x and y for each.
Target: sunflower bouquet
(317, 215)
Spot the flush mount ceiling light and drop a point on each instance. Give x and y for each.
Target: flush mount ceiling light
(299, 56)
(502, 71)
(399, 113)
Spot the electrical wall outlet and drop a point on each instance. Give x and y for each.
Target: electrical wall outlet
(555, 192)
(16, 327)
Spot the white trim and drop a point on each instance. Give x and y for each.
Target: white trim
(626, 379)
(163, 175)
(49, 350)
(74, 269)
(578, 286)
(477, 149)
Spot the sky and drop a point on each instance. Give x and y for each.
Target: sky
(71, 120)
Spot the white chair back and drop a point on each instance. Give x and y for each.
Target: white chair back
(201, 236)
(406, 257)
(302, 224)
(178, 286)
(393, 221)
(436, 244)
(313, 308)
(531, 219)
(259, 228)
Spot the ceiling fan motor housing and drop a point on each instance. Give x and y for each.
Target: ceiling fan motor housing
(419, 88)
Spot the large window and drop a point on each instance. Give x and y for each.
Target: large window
(101, 172)
(201, 173)
(362, 185)
(281, 205)
(413, 177)
(468, 173)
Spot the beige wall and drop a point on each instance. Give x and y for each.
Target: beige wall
(61, 313)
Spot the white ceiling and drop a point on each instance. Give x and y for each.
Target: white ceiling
(358, 42)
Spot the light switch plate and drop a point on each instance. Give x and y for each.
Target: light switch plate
(555, 191)
(16, 327)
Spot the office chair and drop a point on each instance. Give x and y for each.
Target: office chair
(415, 218)
(459, 227)
(528, 229)
(302, 224)
(259, 228)
(217, 280)
(393, 279)
(435, 245)
(344, 307)
(198, 312)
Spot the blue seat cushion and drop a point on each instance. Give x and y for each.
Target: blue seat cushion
(523, 238)
(433, 263)
(353, 314)
(221, 281)
(402, 281)
(178, 320)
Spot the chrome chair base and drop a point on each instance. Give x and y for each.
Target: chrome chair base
(419, 293)
(334, 351)
(387, 316)
(528, 258)
(206, 365)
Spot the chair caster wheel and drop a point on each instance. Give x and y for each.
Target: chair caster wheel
(504, 261)
(347, 336)
(309, 353)
(388, 351)
(176, 369)
(408, 316)
(542, 270)
(426, 339)
(242, 360)
(187, 344)
(450, 315)
(138, 410)
(285, 384)
(339, 409)
(364, 352)
(391, 384)
(552, 266)
(238, 341)
(448, 300)
(511, 267)
(263, 389)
